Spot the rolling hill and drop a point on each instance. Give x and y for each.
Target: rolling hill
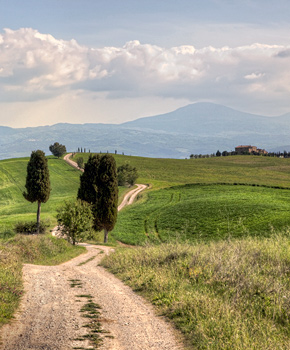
(197, 128)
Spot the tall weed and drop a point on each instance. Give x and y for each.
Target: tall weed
(223, 295)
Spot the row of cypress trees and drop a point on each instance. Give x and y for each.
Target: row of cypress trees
(98, 186)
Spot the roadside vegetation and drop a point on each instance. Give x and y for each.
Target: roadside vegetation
(232, 294)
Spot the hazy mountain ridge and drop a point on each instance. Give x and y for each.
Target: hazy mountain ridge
(196, 128)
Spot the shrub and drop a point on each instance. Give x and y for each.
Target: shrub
(80, 162)
(127, 175)
(75, 220)
(29, 227)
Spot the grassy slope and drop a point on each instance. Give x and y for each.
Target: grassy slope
(205, 212)
(13, 207)
(223, 295)
(199, 213)
(241, 169)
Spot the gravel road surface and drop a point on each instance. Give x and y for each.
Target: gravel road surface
(50, 317)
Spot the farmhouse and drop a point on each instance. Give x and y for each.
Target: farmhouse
(249, 150)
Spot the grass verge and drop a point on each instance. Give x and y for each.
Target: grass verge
(221, 295)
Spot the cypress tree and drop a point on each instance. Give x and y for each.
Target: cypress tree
(106, 207)
(37, 181)
(99, 187)
(89, 180)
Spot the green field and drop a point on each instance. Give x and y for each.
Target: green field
(13, 207)
(162, 173)
(204, 212)
(190, 199)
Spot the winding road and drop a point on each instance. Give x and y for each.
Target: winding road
(50, 318)
(128, 198)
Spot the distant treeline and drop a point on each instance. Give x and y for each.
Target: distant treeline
(284, 154)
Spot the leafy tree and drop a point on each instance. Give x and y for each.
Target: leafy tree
(37, 181)
(80, 162)
(127, 175)
(89, 180)
(75, 220)
(57, 149)
(218, 153)
(106, 208)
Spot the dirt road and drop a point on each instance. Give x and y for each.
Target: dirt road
(71, 162)
(50, 316)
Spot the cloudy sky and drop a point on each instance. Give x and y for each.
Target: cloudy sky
(109, 61)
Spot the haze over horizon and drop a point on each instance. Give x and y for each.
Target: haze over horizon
(111, 62)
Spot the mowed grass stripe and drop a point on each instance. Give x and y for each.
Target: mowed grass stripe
(204, 212)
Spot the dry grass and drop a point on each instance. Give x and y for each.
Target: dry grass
(224, 295)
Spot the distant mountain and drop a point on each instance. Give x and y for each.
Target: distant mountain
(197, 128)
(209, 119)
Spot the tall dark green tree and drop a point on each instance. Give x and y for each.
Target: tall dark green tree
(88, 189)
(106, 208)
(37, 181)
(99, 187)
(57, 149)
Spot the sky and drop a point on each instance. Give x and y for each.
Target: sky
(111, 61)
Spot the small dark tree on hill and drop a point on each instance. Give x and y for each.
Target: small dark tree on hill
(106, 208)
(57, 149)
(37, 181)
(127, 175)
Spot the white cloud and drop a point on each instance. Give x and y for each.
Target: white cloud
(36, 66)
